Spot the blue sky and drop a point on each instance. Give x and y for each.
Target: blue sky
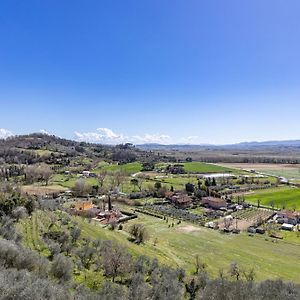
(192, 71)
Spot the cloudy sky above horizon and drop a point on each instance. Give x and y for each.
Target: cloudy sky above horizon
(151, 71)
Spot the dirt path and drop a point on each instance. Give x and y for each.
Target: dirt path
(188, 229)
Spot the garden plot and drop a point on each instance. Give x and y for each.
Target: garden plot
(243, 219)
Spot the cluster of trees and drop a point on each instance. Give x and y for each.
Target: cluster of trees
(26, 275)
(41, 172)
(8, 171)
(175, 169)
(11, 200)
(277, 156)
(21, 150)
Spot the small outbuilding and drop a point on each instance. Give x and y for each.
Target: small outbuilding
(288, 227)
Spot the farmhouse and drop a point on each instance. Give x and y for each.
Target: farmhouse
(109, 217)
(215, 203)
(179, 200)
(85, 208)
(85, 205)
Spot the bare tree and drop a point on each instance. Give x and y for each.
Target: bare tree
(116, 261)
(199, 265)
(101, 178)
(38, 172)
(120, 177)
(81, 188)
(235, 270)
(45, 172)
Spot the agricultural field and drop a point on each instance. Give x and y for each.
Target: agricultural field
(35, 189)
(177, 181)
(177, 246)
(68, 181)
(133, 170)
(289, 171)
(32, 230)
(287, 197)
(250, 217)
(199, 167)
(129, 168)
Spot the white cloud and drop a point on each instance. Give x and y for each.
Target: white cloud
(107, 133)
(190, 139)
(43, 131)
(4, 133)
(108, 136)
(151, 138)
(102, 135)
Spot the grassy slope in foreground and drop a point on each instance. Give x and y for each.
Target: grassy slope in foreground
(177, 247)
(288, 196)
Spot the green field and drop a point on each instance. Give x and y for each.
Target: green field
(68, 181)
(199, 167)
(289, 173)
(282, 196)
(177, 247)
(129, 168)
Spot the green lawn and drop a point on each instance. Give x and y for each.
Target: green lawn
(282, 196)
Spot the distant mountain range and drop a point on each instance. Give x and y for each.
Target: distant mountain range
(242, 145)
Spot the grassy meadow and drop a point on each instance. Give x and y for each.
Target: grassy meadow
(129, 168)
(177, 246)
(289, 171)
(289, 197)
(199, 167)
